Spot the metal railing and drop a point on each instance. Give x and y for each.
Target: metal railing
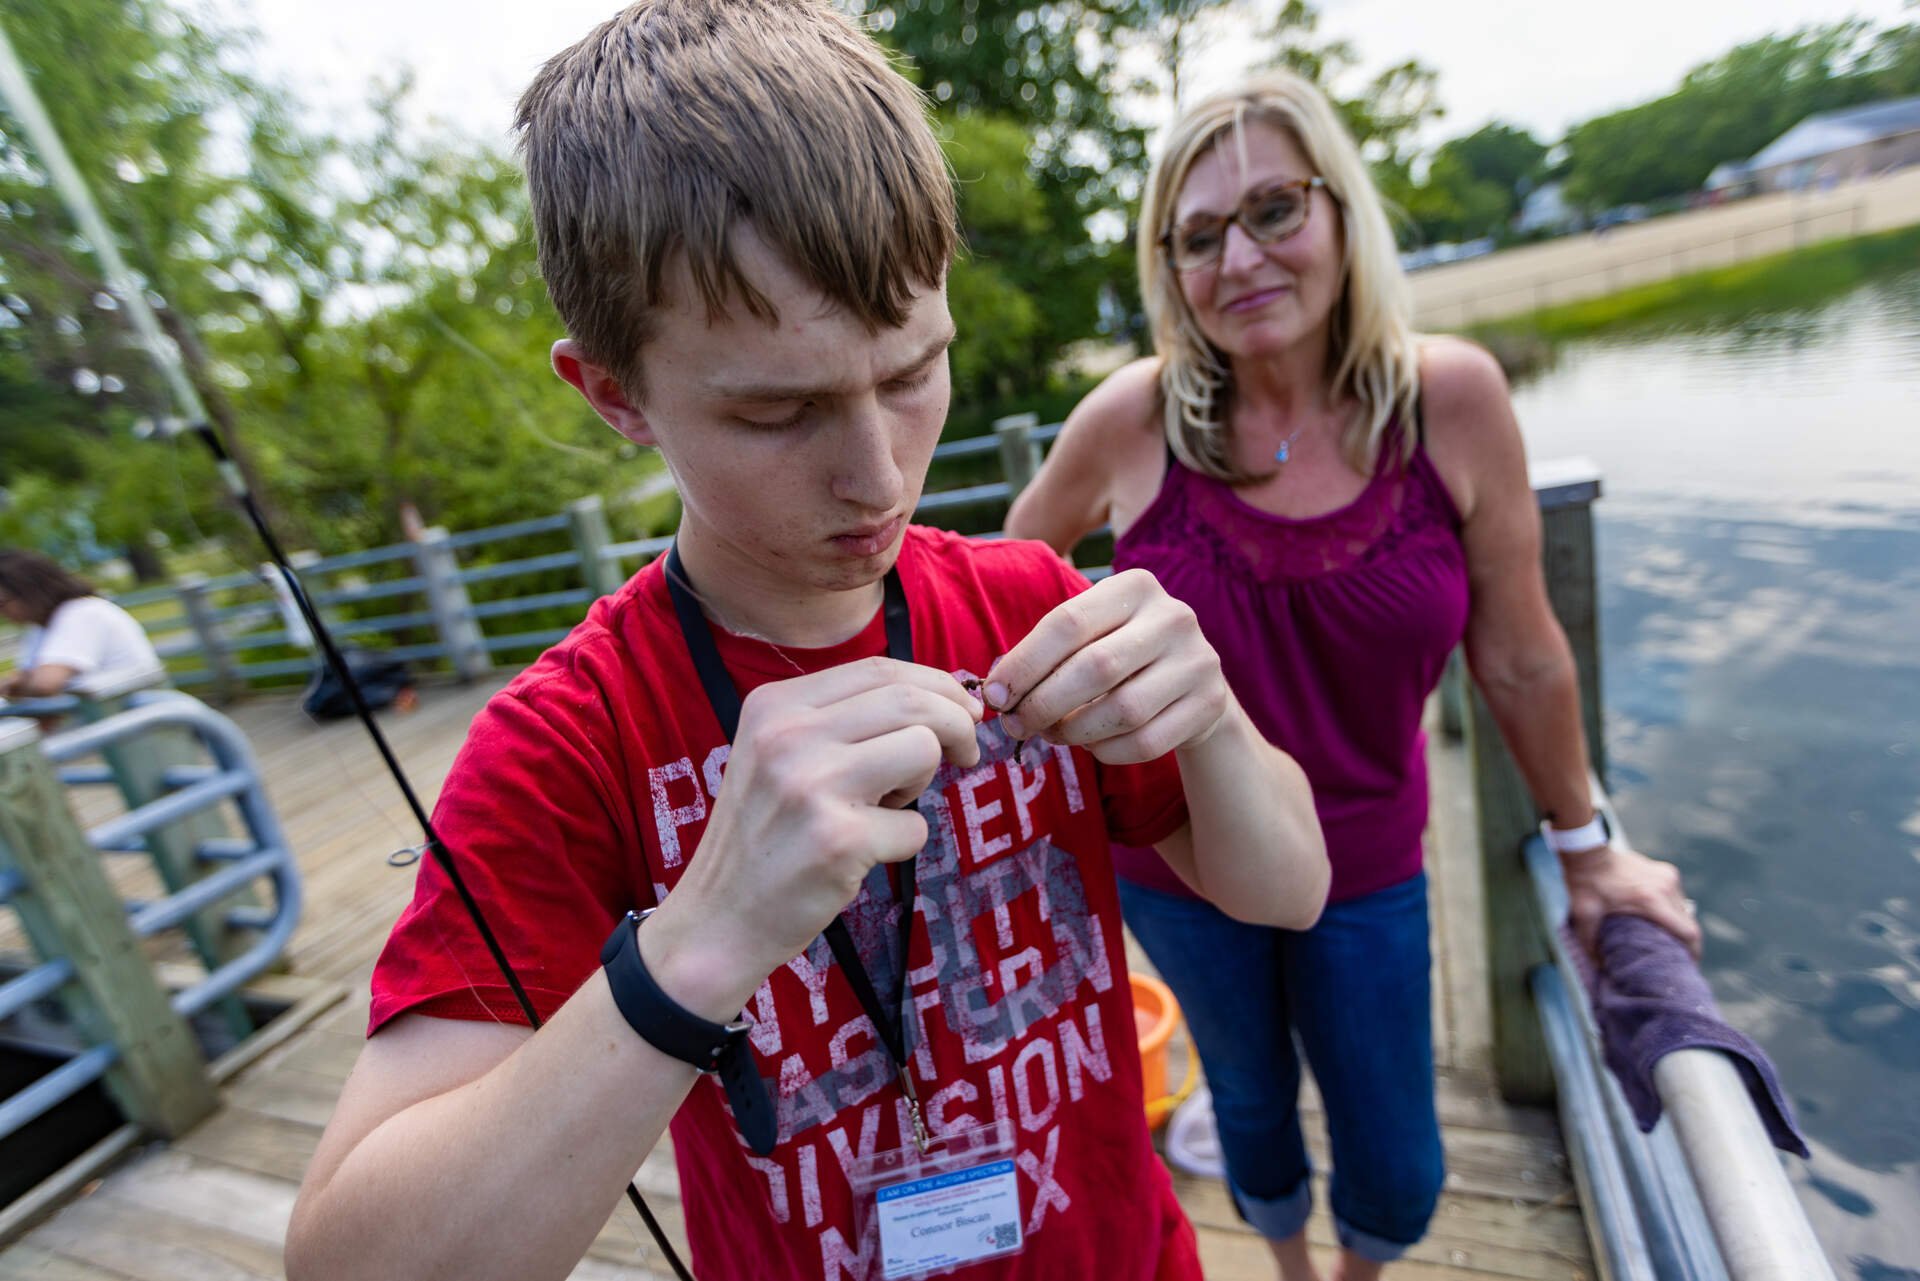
(226, 621)
(86, 938)
(1703, 1197)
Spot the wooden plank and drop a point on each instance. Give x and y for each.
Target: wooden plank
(1242, 1256)
(34, 1263)
(1553, 1245)
(1487, 1163)
(108, 1233)
(288, 1094)
(324, 1052)
(624, 1238)
(1440, 979)
(1463, 1101)
(255, 1142)
(207, 1194)
(592, 1269)
(1451, 862)
(625, 1241)
(283, 1028)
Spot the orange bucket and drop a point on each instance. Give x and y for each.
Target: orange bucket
(1155, 1013)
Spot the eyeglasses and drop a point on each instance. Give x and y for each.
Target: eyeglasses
(1268, 215)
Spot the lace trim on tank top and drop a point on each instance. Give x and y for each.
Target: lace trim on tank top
(1203, 519)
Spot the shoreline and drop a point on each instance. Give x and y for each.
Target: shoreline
(1583, 266)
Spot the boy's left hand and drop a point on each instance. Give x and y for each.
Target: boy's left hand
(1121, 669)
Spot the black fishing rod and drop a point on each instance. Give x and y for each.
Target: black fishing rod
(193, 420)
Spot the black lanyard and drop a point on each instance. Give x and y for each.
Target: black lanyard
(725, 699)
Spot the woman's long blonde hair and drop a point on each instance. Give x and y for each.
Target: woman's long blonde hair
(1372, 356)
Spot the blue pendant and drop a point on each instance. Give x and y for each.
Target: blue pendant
(1280, 454)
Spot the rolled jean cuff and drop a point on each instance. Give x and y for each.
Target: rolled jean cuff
(1368, 1246)
(1280, 1217)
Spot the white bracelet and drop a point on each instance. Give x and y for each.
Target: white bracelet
(1573, 840)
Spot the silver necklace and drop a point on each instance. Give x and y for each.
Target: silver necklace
(1280, 454)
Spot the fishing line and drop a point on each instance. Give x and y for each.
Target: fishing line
(527, 419)
(19, 93)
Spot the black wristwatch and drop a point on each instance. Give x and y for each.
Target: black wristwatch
(661, 1021)
(669, 1027)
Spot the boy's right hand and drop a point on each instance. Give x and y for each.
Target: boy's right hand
(818, 768)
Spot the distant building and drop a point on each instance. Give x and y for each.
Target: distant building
(1546, 209)
(1837, 146)
(1731, 179)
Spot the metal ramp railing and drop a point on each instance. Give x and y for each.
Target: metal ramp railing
(87, 941)
(1703, 1197)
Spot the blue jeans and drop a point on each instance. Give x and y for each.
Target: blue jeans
(1355, 991)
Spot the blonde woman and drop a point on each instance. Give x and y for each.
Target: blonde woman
(1340, 501)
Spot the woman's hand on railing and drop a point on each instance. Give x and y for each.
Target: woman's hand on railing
(1616, 878)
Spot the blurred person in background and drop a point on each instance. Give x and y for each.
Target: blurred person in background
(1341, 501)
(68, 631)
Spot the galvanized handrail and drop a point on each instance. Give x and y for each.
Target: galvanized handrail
(262, 854)
(1763, 1232)
(1716, 1207)
(237, 776)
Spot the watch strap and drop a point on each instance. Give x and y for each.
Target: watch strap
(720, 1049)
(1572, 840)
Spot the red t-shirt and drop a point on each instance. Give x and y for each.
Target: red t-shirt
(584, 788)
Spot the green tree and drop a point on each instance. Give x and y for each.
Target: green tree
(1726, 109)
(1502, 155)
(1386, 116)
(378, 341)
(1892, 64)
(1454, 204)
(131, 90)
(1002, 211)
(1049, 71)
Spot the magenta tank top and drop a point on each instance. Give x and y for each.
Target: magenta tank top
(1332, 630)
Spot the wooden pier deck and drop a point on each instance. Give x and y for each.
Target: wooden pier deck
(214, 1205)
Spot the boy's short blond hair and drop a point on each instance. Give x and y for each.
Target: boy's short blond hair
(677, 120)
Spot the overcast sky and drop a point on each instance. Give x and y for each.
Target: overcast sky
(1541, 63)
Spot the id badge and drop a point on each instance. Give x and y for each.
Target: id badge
(955, 1204)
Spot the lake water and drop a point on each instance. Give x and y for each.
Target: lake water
(1760, 562)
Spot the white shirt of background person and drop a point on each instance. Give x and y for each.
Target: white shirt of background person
(91, 636)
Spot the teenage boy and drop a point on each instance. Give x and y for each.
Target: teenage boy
(746, 224)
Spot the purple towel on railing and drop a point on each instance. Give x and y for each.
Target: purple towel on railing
(1650, 999)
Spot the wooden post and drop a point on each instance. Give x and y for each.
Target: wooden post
(70, 910)
(1567, 491)
(1019, 451)
(590, 538)
(1453, 696)
(1505, 808)
(452, 612)
(195, 603)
